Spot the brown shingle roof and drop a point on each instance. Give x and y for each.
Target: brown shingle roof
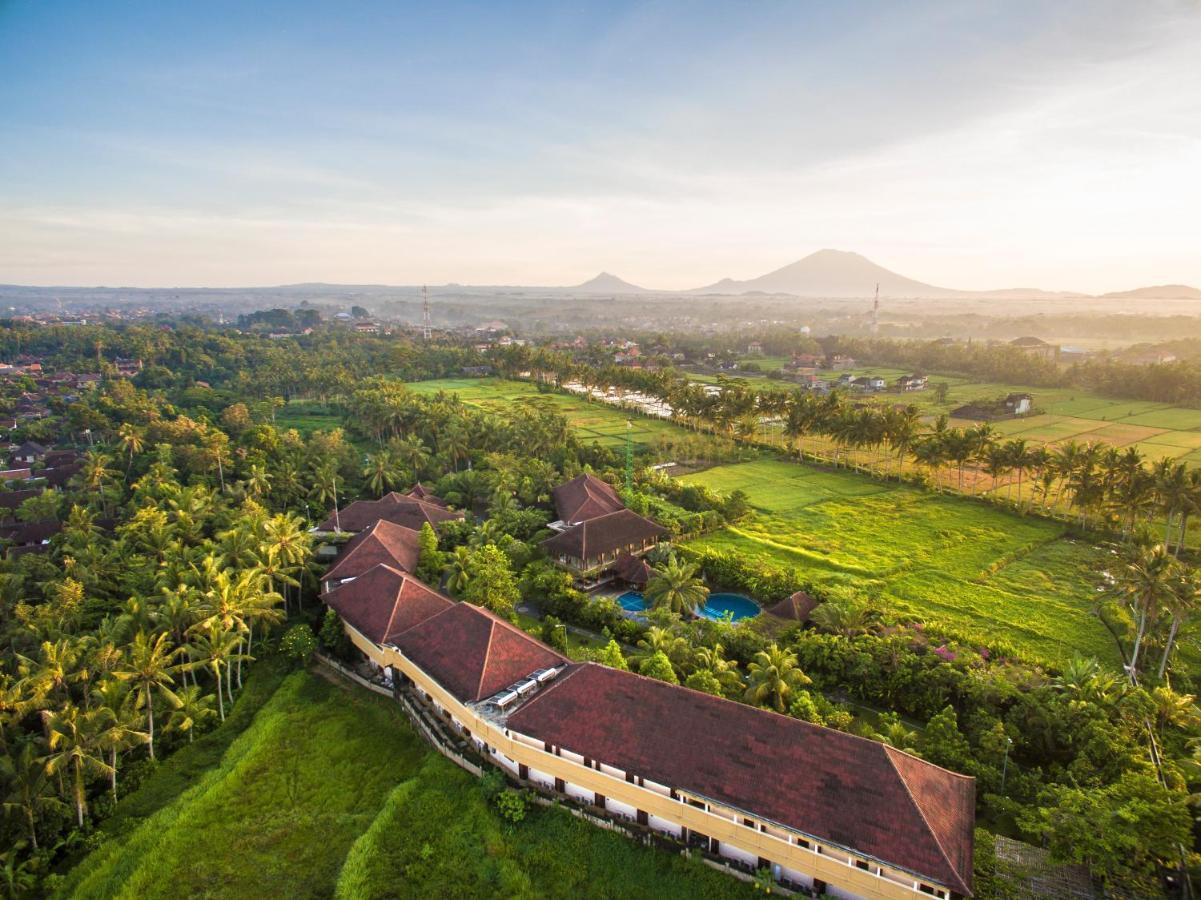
(796, 608)
(474, 653)
(632, 569)
(421, 492)
(585, 497)
(397, 508)
(384, 602)
(383, 542)
(604, 534)
(836, 787)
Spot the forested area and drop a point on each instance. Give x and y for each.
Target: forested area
(184, 559)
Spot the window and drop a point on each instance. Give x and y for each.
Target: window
(860, 864)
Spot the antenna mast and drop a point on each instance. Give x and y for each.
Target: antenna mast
(426, 331)
(876, 311)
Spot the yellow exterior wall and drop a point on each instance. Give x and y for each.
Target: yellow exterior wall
(835, 873)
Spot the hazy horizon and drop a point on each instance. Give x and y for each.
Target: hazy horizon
(971, 146)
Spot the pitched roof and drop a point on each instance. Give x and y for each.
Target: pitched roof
(585, 497)
(397, 508)
(474, 653)
(29, 447)
(384, 602)
(421, 492)
(796, 608)
(848, 790)
(383, 542)
(30, 532)
(604, 534)
(633, 569)
(13, 499)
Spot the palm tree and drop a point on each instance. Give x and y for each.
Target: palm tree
(289, 547)
(847, 616)
(325, 490)
(122, 732)
(30, 789)
(713, 660)
(75, 737)
(1182, 602)
(412, 453)
(662, 640)
(132, 442)
(212, 648)
(258, 480)
(1147, 583)
(195, 707)
(774, 675)
(677, 587)
(458, 570)
(382, 472)
(150, 668)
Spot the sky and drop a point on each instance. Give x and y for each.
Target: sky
(972, 145)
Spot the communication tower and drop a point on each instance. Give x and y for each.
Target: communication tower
(426, 330)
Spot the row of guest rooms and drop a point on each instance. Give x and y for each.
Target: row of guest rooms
(732, 834)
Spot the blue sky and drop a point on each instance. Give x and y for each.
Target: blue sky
(969, 144)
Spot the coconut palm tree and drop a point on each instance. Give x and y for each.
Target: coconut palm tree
(195, 707)
(132, 442)
(773, 677)
(677, 587)
(458, 570)
(847, 616)
(1147, 583)
(122, 732)
(713, 660)
(411, 452)
(1181, 604)
(30, 788)
(75, 738)
(150, 668)
(213, 648)
(382, 472)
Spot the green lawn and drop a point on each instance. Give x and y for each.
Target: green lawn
(979, 570)
(328, 792)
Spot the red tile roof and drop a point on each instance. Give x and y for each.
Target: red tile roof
(398, 508)
(605, 534)
(384, 602)
(585, 497)
(836, 787)
(383, 542)
(473, 653)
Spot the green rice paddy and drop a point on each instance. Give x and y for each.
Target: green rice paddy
(592, 421)
(978, 570)
(325, 791)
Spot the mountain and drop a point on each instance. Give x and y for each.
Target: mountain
(604, 283)
(830, 273)
(1158, 292)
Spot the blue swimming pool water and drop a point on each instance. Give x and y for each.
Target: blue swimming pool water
(631, 601)
(738, 606)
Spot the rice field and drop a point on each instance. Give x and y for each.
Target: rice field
(591, 421)
(979, 570)
(1063, 414)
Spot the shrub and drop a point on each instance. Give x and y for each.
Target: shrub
(298, 643)
(511, 806)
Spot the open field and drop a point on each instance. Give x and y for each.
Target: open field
(325, 791)
(979, 570)
(1063, 414)
(592, 421)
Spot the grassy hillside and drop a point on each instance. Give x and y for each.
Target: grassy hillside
(329, 791)
(978, 569)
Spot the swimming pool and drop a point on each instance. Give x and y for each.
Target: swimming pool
(715, 607)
